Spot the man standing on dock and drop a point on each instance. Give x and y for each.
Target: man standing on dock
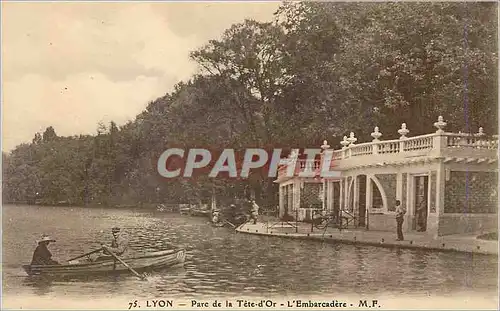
(400, 213)
(254, 210)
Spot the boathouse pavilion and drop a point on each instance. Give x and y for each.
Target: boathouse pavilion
(448, 183)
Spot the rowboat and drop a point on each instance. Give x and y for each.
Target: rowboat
(199, 212)
(145, 261)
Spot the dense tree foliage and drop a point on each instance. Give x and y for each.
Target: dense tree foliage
(319, 71)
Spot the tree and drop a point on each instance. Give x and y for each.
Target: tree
(49, 135)
(392, 61)
(319, 70)
(37, 139)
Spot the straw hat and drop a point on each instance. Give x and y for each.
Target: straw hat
(46, 238)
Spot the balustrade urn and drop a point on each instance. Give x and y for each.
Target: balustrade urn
(325, 145)
(293, 154)
(351, 139)
(440, 124)
(344, 143)
(403, 131)
(376, 134)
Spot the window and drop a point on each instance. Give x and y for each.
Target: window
(311, 196)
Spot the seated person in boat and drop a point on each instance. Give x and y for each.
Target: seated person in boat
(119, 245)
(42, 255)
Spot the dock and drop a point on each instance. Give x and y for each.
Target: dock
(465, 243)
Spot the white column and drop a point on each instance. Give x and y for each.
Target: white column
(369, 194)
(439, 143)
(296, 201)
(355, 199)
(409, 199)
(324, 198)
(330, 196)
(296, 194)
(429, 193)
(341, 194)
(432, 218)
(440, 188)
(347, 194)
(326, 194)
(281, 202)
(399, 187)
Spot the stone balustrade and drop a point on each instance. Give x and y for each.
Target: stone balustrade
(310, 165)
(439, 144)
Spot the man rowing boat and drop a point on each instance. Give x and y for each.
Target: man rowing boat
(119, 246)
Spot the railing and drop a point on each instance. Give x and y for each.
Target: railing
(460, 140)
(435, 144)
(309, 165)
(418, 144)
(337, 155)
(391, 146)
(360, 150)
(302, 166)
(424, 142)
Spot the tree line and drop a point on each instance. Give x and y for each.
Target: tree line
(317, 71)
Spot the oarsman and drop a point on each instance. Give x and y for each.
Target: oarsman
(119, 245)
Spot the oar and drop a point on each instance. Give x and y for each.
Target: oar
(86, 254)
(129, 267)
(229, 223)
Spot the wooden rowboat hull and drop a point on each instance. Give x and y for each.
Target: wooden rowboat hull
(197, 212)
(153, 260)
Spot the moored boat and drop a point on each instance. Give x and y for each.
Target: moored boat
(152, 260)
(184, 209)
(199, 212)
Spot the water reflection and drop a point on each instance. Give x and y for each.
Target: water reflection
(40, 286)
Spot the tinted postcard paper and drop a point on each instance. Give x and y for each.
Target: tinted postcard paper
(249, 155)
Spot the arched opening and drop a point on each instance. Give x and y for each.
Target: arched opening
(357, 204)
(377, 201)
(350, 195)
(378, 196)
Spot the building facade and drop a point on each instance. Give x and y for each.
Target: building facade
(448, 183)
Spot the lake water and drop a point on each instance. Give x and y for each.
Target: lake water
(221, 262)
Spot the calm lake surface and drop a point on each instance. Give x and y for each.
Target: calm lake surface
(222, 263)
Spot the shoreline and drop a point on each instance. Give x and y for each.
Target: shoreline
(450, 243)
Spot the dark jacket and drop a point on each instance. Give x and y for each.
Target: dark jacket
(42, 256)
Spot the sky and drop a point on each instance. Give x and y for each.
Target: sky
(72, 65)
